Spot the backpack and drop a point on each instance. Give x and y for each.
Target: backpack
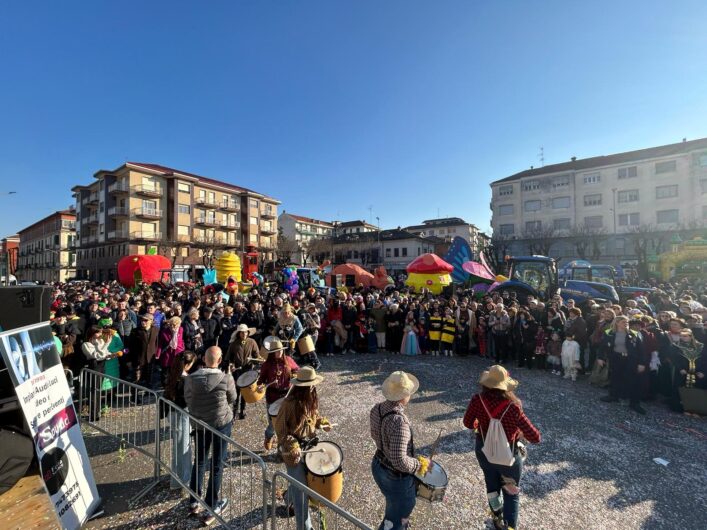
(496, 447)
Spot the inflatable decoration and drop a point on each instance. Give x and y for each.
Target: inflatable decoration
(381, 280)
(500, 278)
(429, 271)
(209, 276)
(134, 270)
(231, 285)
(458, 254)
(291, 283)
(228, 264)
(351, 271)
(478, 273)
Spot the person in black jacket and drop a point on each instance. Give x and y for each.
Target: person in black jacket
(142, 347)
(178, 421)
(349, 315)
(254, 319)
(528, 331)
(211, 327)
(621, 347)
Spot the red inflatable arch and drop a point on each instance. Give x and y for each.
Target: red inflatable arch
(133, 270)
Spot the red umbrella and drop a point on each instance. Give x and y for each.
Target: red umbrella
(429, 264)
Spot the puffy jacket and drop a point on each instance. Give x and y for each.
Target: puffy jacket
(210, 395)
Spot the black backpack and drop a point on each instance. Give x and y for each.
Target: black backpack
(15, 458)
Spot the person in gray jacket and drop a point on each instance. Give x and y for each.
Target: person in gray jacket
(210, 395)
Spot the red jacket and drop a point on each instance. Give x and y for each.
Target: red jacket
(269, 373)
(514, 421)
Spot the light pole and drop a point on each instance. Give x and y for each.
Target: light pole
(380, 250)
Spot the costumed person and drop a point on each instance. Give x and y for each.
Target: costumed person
(394, 463)
(621, 348)
(435, 331)
(169, 345)
(311, 323)
(449, 329)
(275, 373)
(481, 336)
(554, 353)
(461, 337)
(67, 331)
(540, 353)
(288, 328)
(296, 426)
(241, 357)
(115, 347)
(496, 415)
(95, 348)
(410, 346)
(394, 334)
(570, 357)
(690, 368)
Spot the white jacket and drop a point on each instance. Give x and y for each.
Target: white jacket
(96, 352)
(570, 350)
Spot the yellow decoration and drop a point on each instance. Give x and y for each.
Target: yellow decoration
(500, 278)
(434, 282)
(228, 264)
(424, 464)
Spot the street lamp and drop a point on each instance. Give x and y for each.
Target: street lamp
(380, 250)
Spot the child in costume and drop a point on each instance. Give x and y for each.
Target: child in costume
(570, 357)
(435, 332)
(449, 330)
(410, 345)
(554, 349)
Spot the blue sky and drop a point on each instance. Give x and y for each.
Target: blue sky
(409, 107)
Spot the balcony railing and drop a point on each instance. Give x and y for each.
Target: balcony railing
(93, 198)
(211, 240)
(147, 236)
(183, 238)
(119, 187)
(230, 225)
(118, 211)
(207, 221)
(232, 206)
(91, 239)
(267, 213)
(91, 219)
(149, 213)
(206, 202)
(267, 229)
(118, 234)
(148, 190)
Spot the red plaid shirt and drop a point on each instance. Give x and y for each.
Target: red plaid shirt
(514, 421)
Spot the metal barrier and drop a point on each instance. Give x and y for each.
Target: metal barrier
(240, 473)
(324, 514)
(115, 408)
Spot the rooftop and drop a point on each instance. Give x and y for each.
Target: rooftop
(433, 223)
(607, 160)
(349, 224)
(68, 212)
(309, 220)
(385, 235)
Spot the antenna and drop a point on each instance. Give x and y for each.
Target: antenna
(541, 156)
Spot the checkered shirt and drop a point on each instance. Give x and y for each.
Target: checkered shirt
(394, 437)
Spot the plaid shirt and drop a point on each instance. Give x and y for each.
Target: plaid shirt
(514, 421)
(393, 436)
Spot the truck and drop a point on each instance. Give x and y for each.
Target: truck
(537, 276)
(584, 271)
(309, 277)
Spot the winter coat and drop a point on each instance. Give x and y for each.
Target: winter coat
(210, 394)
(165, 354)
(142, 344)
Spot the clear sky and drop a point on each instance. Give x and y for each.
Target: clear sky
(409, 107)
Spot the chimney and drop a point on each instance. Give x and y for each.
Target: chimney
(574, 159)
(531, 167)
(684, 140)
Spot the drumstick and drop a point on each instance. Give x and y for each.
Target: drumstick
(313, 451)
(434, 446)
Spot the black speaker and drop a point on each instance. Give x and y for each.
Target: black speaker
(24, 305)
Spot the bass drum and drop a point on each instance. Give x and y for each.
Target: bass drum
(324, 472)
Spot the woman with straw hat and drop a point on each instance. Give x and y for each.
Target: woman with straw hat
(394, 463)
(296, 425)
(497, 402)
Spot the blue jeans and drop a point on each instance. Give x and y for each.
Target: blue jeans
(181, 448)
(269, 430)
(204, 440)
(400, 496)
(350, 338)
(496, 477)
(298, 498)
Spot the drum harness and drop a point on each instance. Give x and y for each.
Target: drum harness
(380, 455)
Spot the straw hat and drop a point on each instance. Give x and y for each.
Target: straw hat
(399, 385)
(306, 376)
(272, 344)
(497, 377)
(243, 327)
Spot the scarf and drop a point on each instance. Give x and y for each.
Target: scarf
(174, 340)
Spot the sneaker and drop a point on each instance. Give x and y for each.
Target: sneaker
(241, 415)
(209, 519)
(268, 444)
(194, 508)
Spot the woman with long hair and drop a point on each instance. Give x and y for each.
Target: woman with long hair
(276, 372)
(95, 349)
(169, 344)
(288, 328)
(498, 401)
(296, 425)
(178, 421)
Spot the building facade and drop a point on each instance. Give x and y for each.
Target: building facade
(185, 216)
(448, 228)
(394, 249)
(602, 202)
(354, 227)
(47, 249)
(303, 231)
(9, 249)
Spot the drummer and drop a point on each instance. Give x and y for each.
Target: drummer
(394, 463)
(276, 371)
(240, 358)
(296, 425)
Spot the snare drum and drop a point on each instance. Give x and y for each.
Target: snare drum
(274, 407)
(247, 383)
(433, 485)
(324, 473)
(305, 345)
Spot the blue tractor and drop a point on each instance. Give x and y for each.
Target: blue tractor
(537, 276)
(584, 271)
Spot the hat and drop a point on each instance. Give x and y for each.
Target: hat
(147, 316)
(105, 322)
(311, 306)
(243, 327)
(497, 377)
(306, 376)
(399, 385)
(272, 344)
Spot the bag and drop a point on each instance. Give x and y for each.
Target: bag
(17, 455)
(600, 375)
(496, 447)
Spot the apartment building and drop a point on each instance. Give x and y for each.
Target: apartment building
(139, 205)
(9, 248)
(302, 230)
(353, 227)
(47, 249)
(394, 249)
(606, 198)
(448, 228)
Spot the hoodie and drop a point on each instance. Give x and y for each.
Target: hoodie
(210, 395)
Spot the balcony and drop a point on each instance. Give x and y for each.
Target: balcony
(183, 238)
(92, 198)
(117, 234)
(146, 236)
(147, 190)
(205, 202)
(119, 188)
(207, 221)
(230, 225)
(147, 213)
(91, 239)
(210, 240)
(266, 229)
(230, 206)
(118, 211)
(267, 213)
(91, 219)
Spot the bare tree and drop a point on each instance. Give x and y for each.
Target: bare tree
(316, 249)
(646, 239)
(285, 247)
(496, 250)
(540, 239)
(587, 241)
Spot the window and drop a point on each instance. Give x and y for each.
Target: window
(592, 200)
(387, 252)
(405, 251)
(667, 216)
(560, 182)
(506, 209)
(665, 167)
(533, 226)
(629, 219)
(183, 187)
(628, 196)
(561, 224)
(253, 220)
(182, 230)
(505, 190)
(254, 238)
(592, 178)
(507, 230)
(531, 206)
(702, 159)
(620, 245)
(628, 172)
(396, 252)
(101, 227)
(253, 203)
(594, 221)
(531, 185)
(560, 202)
(184, 208)
(666, 192)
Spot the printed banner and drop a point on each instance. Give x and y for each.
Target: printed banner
(44, 395)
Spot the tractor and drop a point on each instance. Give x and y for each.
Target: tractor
(585, 271)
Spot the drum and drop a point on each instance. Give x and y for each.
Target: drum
(274, 407)
(433, 485)
(324, 473)
(247, 383)
(305, 345)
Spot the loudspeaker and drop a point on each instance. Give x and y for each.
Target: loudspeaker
(24, 305)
